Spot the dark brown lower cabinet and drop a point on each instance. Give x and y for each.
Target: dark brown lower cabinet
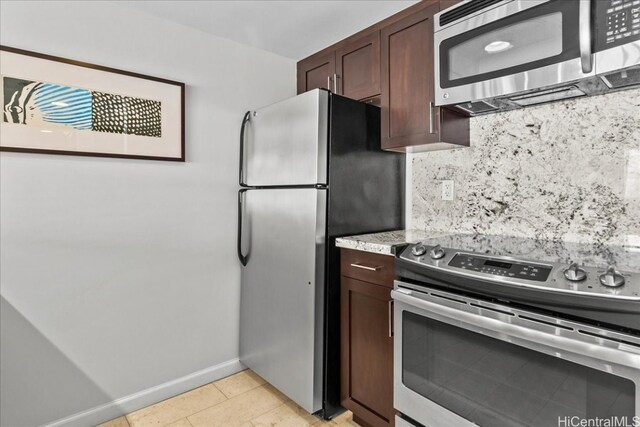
(367, 349)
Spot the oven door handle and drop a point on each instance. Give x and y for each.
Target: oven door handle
(511, 332)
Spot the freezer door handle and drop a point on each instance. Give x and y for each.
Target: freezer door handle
(245, 120)
(243, 258)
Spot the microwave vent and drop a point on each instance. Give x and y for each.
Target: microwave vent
(547, 96)
(465, 10)
(622, 78)
(477, 107)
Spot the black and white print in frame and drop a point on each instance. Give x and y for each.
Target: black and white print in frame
(54, 105)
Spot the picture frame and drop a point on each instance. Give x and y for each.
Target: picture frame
(54, 105)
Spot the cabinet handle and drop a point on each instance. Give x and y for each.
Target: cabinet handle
(390, 318)
(431, 120)
(335, 83)
(366, 267)
(329, 83)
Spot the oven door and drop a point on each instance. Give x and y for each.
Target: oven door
(464, 362)
(514, 47)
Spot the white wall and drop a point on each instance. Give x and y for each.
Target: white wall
(120, 275)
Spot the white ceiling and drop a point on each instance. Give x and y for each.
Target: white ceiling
(294, 29)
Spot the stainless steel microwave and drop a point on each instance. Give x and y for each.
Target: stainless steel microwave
(496, 55)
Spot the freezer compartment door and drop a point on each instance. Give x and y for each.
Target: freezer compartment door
(282, 291)
(286, 143)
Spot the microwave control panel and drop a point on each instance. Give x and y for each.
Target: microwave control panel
(617, 23)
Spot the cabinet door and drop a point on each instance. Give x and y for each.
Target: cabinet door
(317, 72)
(366, 352)
(408, 115)
(358, 68)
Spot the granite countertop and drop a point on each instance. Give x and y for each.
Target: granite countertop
(625, 258)
(386, 242)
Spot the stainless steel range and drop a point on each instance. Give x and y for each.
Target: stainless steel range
(500, 331)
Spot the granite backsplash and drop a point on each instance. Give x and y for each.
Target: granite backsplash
(563, 171)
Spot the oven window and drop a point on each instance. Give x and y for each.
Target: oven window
(494, 383)
(533, 38)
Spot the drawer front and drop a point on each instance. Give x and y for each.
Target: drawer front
(367, 266)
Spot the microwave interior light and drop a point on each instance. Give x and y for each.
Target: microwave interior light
(498, 46)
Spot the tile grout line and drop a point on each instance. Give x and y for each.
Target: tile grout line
(221, 391)
(264, 413)
(265, 385)
(213, 383)
(318, 422)
(226, 400)
(225, 395)
(186, 416)
(239, 394)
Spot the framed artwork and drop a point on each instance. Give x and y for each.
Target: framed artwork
(54, 105)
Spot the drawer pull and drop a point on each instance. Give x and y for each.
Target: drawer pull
(366, 267)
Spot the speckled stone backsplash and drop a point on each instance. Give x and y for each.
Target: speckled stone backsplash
(563, 171)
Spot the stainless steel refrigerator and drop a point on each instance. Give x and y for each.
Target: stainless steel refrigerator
(311, 170)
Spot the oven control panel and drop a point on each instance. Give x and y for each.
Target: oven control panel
(497, 267)
(470, 257)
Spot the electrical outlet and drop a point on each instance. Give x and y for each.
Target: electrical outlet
(447, 189)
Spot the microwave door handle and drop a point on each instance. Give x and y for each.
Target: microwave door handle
(430, 117)
(585, 36)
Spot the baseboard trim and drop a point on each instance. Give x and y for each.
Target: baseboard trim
(141, 399)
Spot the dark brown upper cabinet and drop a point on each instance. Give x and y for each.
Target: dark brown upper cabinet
(390, 64)
(358, 68)
(410, 120)
(352, 70)
(317, 72)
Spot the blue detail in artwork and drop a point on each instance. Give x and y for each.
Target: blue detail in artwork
(46, 105)
(64, 105)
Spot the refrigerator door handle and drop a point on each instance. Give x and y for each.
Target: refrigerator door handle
(245, 120)
(243, 258)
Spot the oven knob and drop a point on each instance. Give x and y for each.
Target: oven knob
(418, 249)
(575, 273)
(611, 278)
(436, 252)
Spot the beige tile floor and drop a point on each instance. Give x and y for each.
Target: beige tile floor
(241, 400)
